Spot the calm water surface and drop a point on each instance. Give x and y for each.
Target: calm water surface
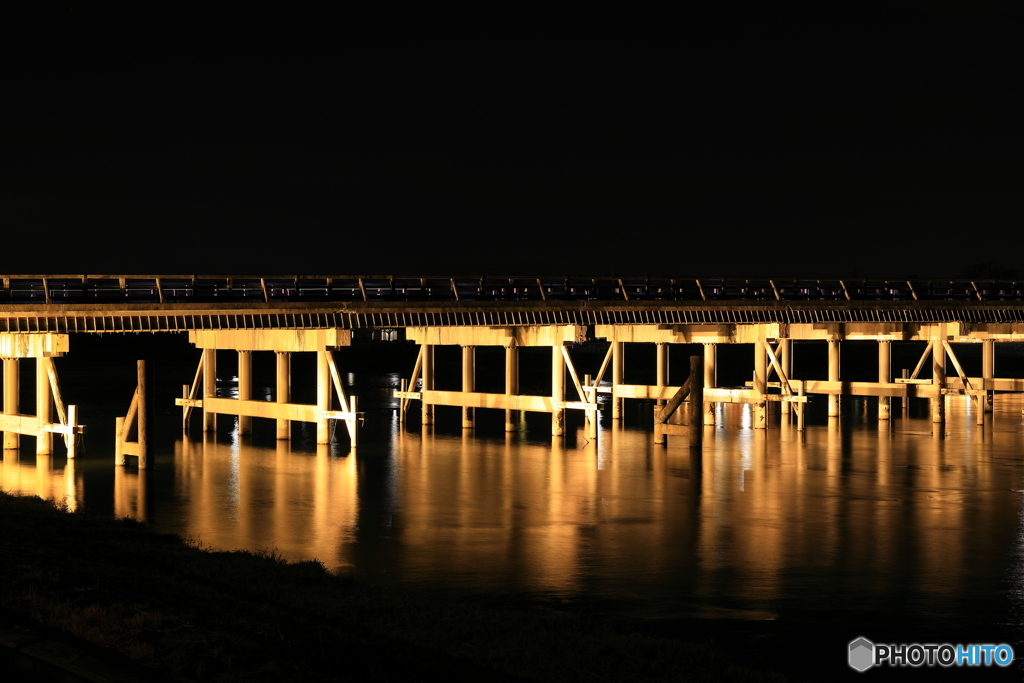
(849, 524)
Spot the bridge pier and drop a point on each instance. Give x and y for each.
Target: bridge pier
(940, 337)
(43, 348)
(283, 343)
(555, 337)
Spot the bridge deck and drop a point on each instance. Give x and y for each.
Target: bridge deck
(139, 317)
(130, 303)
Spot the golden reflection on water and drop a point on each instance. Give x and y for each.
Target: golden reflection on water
(230, 497)
(38, 477)
(850, 512)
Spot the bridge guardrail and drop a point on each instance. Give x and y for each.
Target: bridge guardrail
(57, 289)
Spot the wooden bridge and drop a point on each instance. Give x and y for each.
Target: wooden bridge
(317, 314)
(98, 303)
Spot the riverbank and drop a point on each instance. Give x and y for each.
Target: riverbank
(172, 607)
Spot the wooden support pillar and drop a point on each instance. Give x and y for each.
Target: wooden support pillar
(591, 415)
(988, 370)
(11, 381)
(468, 382)
(511, 383)
(145, 415)
(428, 383)
(905, 374)
(119, 459)
(884, 377)
(71, 440)
(323, 397)
(44, 408)
(786, 361)
(801, 409)
(939, 381)
(354, 429)
(140, 416)
(557, 391)
(659, 429)
(710, 380)
(209, 387)
(284, 390)
(662, 369)
(760, 386)
(618, 350)
(834, 400)
(696, 403)
(244, 389)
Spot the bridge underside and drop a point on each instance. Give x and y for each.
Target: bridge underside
(103, 318)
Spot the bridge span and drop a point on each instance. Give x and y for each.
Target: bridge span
(318, 314)
(100, 303)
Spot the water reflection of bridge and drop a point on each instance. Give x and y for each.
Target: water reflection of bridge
(285, 315)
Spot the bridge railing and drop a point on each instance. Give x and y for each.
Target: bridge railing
(57, 289)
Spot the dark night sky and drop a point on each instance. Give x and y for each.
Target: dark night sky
(837, 145)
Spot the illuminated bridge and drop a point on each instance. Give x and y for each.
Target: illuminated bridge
(132, 303)
(290, 314)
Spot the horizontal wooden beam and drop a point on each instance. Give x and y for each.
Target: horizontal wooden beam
(19, 424)
(28, 345)
(856, 388)
(525, 335)
(30, 426)
(342, 415)
(991, 384)
(718, 395)
(64, 429)
(271, 340)
(670, 429)
(644, 391)
(298, 412)
(474, 399)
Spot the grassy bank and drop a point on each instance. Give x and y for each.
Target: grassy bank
(235, 616)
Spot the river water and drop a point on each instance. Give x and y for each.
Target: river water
(897, 531)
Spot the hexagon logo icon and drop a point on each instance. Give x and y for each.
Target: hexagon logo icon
(862, 654)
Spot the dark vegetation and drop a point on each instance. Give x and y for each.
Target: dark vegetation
(235, 616)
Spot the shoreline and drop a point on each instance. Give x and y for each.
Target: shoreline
(193, 614)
